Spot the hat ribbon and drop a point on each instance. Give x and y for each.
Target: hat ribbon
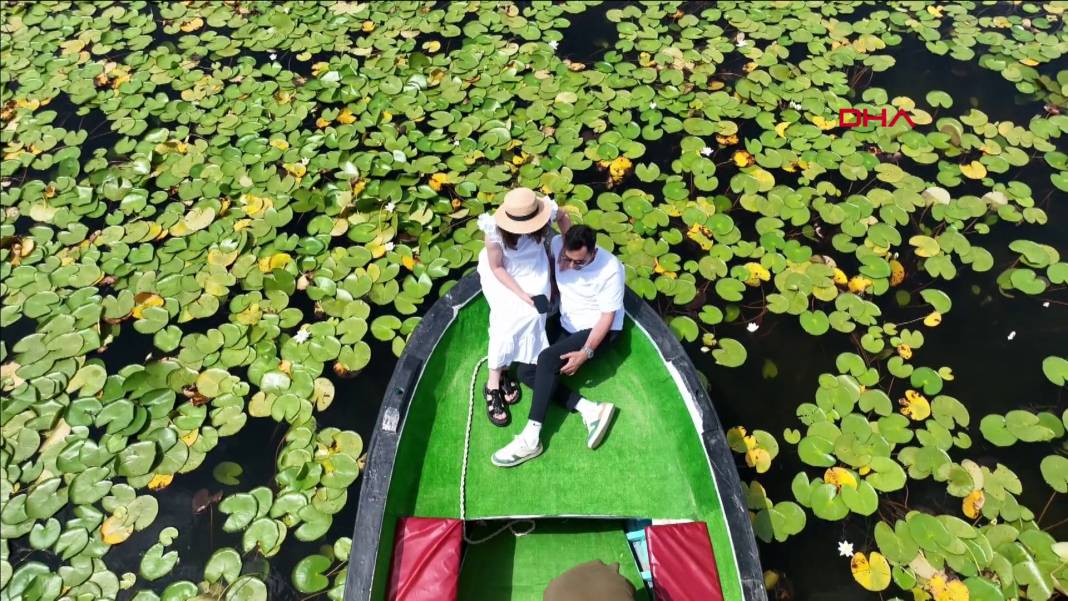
(526, 217)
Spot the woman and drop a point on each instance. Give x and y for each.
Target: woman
(515, 273)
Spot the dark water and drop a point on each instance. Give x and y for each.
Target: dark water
(993, 374)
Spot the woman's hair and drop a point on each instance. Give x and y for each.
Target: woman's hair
(511, 239)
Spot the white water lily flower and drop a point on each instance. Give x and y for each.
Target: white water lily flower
(389, 246)
(301, 336)
(752, 326)
(455, 142)
(1046, 304)
(652, 105)
(795, 105)
(390, 206)
(704, 349)
(845, 549)
(554, 44)
(1012, 335)
(706, 151)
(273, 56)
(739, 40)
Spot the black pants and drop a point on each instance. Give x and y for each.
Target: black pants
(544, 378)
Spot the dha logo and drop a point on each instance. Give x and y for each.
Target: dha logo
(863, 118)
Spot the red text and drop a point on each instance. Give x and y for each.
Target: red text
(864, 118)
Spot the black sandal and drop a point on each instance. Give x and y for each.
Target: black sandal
(495, 406)
(510, 388)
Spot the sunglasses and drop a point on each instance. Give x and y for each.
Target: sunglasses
(575, 264)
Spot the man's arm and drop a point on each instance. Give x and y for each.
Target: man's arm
(600, 330)
(576, 359)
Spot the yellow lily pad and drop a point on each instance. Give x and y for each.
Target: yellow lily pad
(160, 481)
(839, 477)
(973, 504)
(915, 406)
(871, 571)
(114, 530)
(897, 272)
(742, 158)
(973, 170)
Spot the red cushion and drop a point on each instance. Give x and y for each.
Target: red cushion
(682, 562)
(426, 560)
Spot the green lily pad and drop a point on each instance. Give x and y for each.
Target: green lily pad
(265, 535)
(827, 504)
(308, 574)
(862, 500)
(815, 322)
(224, 564)
(730, 353)
(779, 522)
(44, 535)
(1056, 369)
(938, 98)
(937, 299)
(241, 509)
(247, 588)
(1055, 471)
(227, 472)
(886, 475)
(156, 564)
(685, 328)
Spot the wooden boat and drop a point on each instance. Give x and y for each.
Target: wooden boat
(665, 458)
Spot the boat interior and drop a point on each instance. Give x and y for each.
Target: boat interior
(652, 465)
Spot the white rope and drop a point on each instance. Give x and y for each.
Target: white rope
(467, 440)
(463, 472)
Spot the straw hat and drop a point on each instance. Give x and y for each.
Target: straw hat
(522, 212)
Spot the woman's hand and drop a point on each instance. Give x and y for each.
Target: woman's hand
(496, 263)
(563, 220)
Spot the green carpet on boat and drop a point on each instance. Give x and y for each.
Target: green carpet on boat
(650, 465)
(518, 568)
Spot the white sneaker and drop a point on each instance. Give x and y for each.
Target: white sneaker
(598, 426)
(516, 452)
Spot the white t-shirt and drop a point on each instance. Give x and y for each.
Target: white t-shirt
(588, 292)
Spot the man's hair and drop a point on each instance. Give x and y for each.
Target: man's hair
(580, 236)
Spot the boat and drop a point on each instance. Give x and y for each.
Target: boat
(664, 465)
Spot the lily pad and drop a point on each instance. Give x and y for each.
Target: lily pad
(1056, 369)
(730, 353)
(227, 472)
(308, 574)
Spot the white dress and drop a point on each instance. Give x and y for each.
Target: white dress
(516, 329)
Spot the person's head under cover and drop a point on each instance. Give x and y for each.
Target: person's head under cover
(591, 581)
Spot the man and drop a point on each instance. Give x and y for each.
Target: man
(591, 284)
